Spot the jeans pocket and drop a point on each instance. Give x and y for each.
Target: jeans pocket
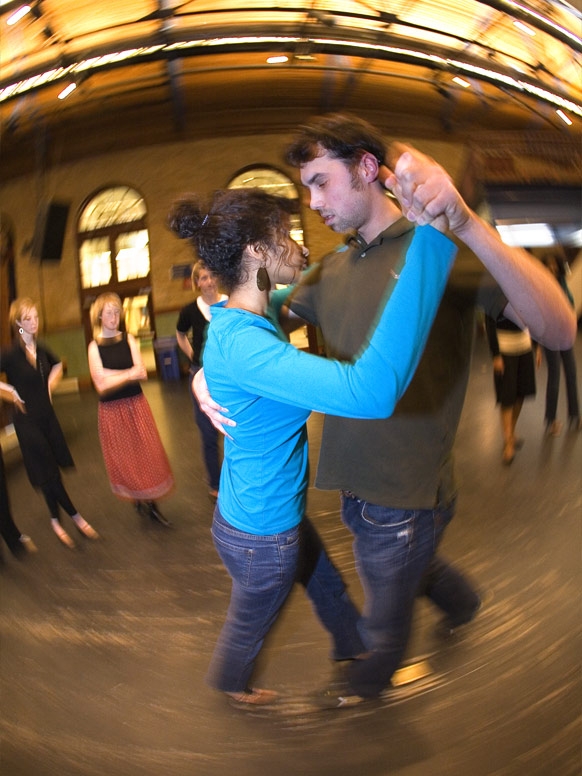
(389, 526)
(384, 517)
(273, 564)
(237, 559)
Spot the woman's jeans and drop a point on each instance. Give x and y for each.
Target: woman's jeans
(263, 570)
(394, 551)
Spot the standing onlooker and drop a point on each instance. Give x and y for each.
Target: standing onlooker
(32, 372)
(515, 358)
(553, 357)
(194, 317)
(135, 459)
(17, 542)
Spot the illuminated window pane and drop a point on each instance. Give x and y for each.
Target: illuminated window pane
(119, 205)
(133, 255)
(296, 230)
(279, 185)
(95, 262)
(275, 183)
(137, 316)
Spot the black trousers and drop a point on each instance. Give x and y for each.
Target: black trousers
(8, 529)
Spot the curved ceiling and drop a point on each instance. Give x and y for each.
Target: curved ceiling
(146, 71)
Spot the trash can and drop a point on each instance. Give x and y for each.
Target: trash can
(166, 349)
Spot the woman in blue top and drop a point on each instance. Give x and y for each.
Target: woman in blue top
(270, 388)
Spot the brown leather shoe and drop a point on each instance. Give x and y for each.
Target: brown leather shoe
(254, 696)
(84, 527)
(62, 535)
(554, 428)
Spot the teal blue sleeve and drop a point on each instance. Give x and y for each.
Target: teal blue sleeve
(372, 384)
(278, 297)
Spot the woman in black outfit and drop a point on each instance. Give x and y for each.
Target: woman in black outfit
(32, 371)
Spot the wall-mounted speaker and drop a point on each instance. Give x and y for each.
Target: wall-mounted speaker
(49, 231)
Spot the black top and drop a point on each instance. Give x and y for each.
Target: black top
(42, 443)
(30, 382)
(190, 317)
(116, 354)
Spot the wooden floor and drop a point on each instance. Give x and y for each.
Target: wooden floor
(104, 649)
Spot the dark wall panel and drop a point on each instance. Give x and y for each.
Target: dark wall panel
(49, 232)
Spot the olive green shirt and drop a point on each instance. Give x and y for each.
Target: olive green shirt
(404, 461)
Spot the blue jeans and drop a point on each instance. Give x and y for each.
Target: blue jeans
(394, 550)
(263, 570)
(209, 439)
(328, 594)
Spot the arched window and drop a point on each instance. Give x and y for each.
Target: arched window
(114, 255)
(276, 183)
(113, 238)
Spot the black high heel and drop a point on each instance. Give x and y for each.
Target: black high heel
(142, 508)
(156, 515)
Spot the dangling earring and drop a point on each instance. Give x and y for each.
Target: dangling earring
(21, 330)
(263, 279)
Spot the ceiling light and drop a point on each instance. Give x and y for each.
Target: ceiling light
(17, 15)
(524, 28)
(67, 90)
(564, 118)
(574, 239)
(461, 82)
(526, 235)
(544, 20)
(277, 60)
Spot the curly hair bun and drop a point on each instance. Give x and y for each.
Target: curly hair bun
(185, 218)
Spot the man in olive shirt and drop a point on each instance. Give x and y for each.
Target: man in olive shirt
(396, 475)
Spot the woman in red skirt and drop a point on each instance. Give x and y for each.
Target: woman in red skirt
(135, 459)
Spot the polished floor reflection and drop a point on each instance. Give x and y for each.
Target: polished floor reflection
(103, 650)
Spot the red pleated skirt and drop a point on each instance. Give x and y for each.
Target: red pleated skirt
(135, 459)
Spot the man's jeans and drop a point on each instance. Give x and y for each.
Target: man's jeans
(568, 359)
(263, 570)
(393, 549)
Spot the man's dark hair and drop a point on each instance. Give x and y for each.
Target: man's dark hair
(342, 135)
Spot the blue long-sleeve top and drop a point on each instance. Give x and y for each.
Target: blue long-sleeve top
(270, 388)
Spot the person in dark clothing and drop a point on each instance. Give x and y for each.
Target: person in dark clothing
(194, 317)
(553, 358)
(515, 358)
(32, 371)
(18, 543)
